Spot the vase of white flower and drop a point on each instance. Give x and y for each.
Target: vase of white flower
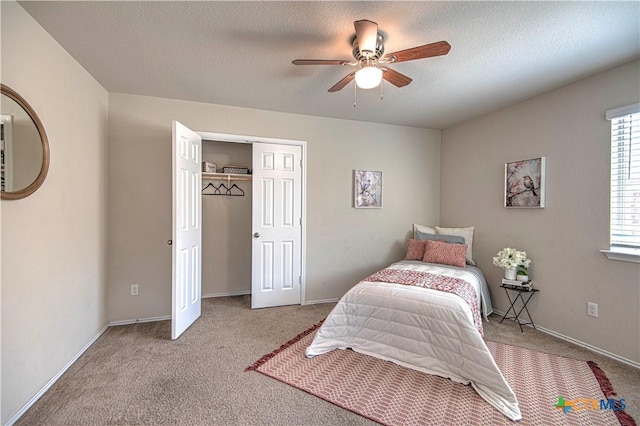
(510, 259)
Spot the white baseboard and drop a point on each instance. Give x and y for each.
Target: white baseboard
(582, 344)
(227, 294)
(54, 378)
(242, 293)
(168, 317)
(319, 302)
(139, 320)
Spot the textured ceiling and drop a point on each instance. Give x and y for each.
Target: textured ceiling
(240, 53)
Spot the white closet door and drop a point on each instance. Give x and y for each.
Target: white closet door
(277, 230)
(187, 229)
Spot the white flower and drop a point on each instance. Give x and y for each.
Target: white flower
(509, 258)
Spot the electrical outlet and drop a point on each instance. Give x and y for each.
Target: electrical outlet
(592, 309)
(134, 289)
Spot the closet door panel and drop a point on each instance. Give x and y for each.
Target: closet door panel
(267, 203)
(277, 201)
(187, 230)
(288, 202)
(266, 275)
(288, 260)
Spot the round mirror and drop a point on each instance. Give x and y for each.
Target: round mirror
(24, 148)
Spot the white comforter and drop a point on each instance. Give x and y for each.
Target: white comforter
(423, 329)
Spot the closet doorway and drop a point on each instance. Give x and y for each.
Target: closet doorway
(276, 234)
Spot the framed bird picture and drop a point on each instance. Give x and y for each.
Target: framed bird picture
(524, 183)
(367, 189)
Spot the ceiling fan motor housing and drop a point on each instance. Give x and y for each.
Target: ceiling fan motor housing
(363, 55)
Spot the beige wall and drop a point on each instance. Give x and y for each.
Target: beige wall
(54, 241)
(567, 126)
(343, 244)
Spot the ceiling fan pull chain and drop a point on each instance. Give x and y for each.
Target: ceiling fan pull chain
(381, 95)
(355, 95)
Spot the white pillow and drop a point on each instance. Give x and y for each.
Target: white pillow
(466, 233)
(424, 229)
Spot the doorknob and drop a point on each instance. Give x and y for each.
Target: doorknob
(256, 235)
(169, 242)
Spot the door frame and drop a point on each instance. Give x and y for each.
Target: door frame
(234, 138)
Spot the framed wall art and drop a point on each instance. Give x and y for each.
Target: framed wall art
(524, 183)
(367, 189)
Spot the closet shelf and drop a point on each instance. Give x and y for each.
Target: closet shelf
(225, 176)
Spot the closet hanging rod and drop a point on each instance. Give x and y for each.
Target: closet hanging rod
(225, 176)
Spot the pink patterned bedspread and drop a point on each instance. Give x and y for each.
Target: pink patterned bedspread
(453, 285)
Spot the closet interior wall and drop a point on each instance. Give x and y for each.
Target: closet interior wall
(226, 225)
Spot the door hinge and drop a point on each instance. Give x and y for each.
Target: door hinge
(300, 279)
(301, 221)
(301, 162)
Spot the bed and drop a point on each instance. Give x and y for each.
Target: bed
(422, 328)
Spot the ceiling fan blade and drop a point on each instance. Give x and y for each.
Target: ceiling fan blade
(319, 62)
(346, 80)
(394, 77)
(367, 35)
(427, 51)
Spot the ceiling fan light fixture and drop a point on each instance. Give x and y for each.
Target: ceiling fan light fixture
(368, 77)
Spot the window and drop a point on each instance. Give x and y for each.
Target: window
(625, 181)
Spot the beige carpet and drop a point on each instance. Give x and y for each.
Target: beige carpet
(397, 396)
(135, 375)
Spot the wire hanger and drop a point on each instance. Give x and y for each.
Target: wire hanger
(210, 185)
(218, 190)
(223, 189)
(230, 193)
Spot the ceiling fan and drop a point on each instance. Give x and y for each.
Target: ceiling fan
(368, 51)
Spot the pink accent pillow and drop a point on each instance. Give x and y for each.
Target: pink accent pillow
(415, 250)
(445, 253)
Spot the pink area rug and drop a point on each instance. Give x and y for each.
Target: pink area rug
(393, 395)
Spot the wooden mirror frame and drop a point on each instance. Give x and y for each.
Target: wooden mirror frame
(22, 193)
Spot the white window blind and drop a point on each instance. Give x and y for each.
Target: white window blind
(625, 177)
